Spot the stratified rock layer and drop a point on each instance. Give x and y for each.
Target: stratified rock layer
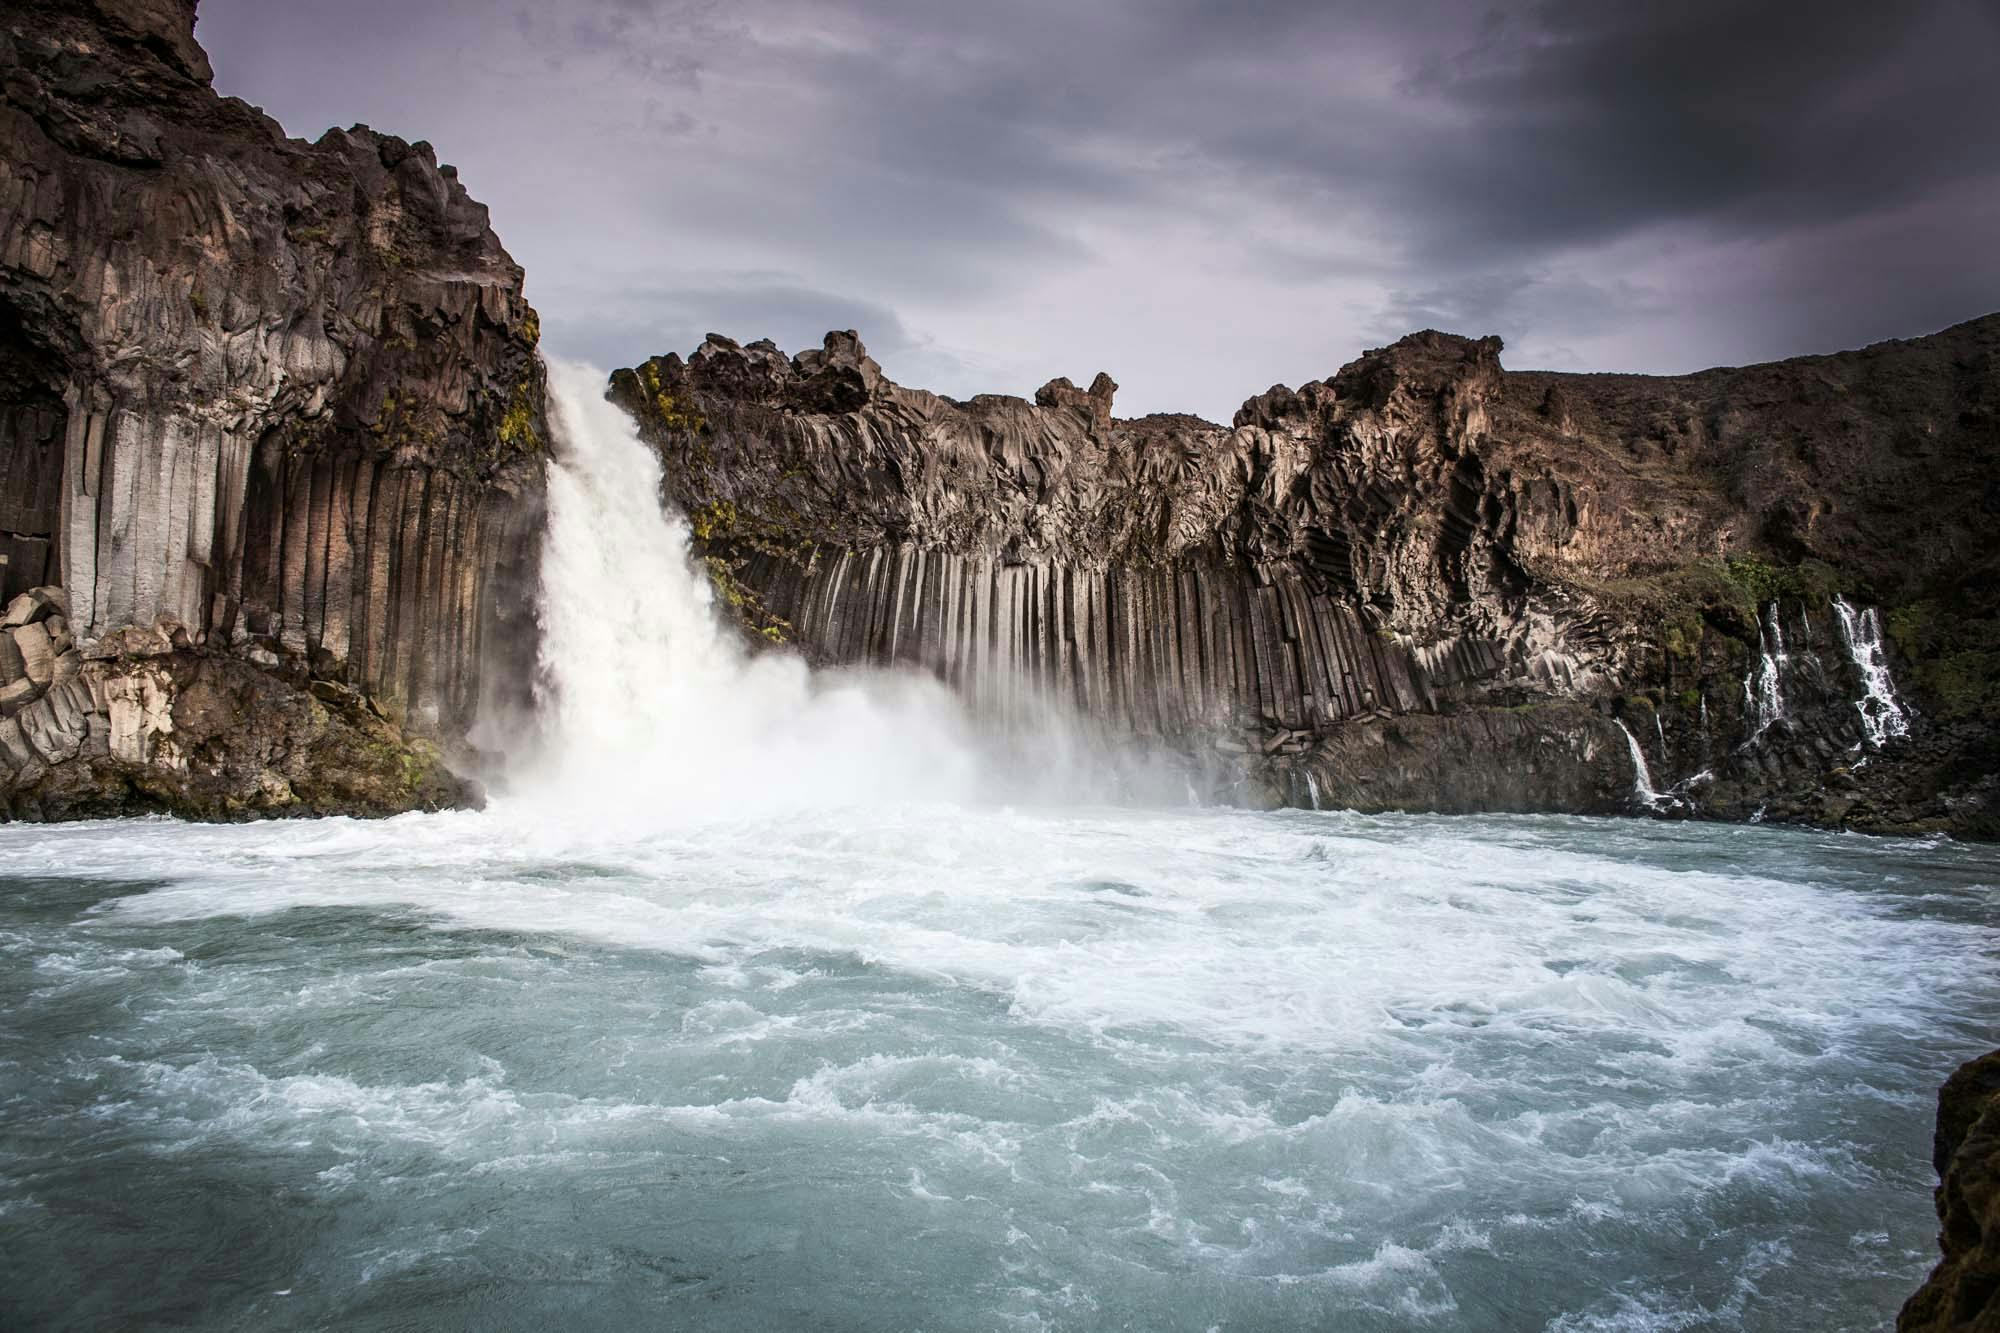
(1963, 1294)
(279, 399)
(1381, 585)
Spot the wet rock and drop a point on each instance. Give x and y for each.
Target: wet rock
(1963, 1292)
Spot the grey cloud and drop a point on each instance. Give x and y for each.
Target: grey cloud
(651, 321)
(1530, 310)
(1139, 184)
(625, 326)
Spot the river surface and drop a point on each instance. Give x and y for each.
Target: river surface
(977, 1067)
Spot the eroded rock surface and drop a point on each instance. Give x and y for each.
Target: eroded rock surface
(143, 720)
(1377, 585)
(282, 396)
(1963, 1293)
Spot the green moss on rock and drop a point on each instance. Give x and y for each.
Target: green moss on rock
(1953, 659)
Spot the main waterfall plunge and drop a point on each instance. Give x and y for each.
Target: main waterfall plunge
(653, 705)
(745, 1009)
(654, 709)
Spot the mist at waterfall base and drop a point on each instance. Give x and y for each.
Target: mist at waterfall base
(759, 1002)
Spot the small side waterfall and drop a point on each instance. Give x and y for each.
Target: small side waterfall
(1643, 790)
(1764, 687)
(1883, 717)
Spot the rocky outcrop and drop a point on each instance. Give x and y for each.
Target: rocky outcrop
(140, 721)
(1963, 1293)
(275, 403)
(1424, 582)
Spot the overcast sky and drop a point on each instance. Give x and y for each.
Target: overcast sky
(1201, 198)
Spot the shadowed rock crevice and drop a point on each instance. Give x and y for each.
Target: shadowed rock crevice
(33, 422)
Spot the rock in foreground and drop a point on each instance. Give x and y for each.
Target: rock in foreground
(1963, 1293)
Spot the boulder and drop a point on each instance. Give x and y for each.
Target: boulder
(38, 656)
(17, 757)
(32, 605)
(1963, 1293)
(16, 695)
(57, 723)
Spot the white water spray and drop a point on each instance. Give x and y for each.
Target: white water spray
(653, 705)
(1882, 715)
(1763, 689)
(1643, 790)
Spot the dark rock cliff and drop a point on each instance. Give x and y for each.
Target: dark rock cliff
(1422, 583)
(1963, 1293)
(262, 400)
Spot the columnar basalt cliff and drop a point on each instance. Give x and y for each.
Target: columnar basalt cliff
(1422, 583)
(271, 426)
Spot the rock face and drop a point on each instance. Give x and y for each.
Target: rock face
(275, 404)
(1422, 583)
(1963, 1293)
(141, 721)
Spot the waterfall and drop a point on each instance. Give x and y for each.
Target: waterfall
(1763, 688)
(1642, 777)
(651, 703)
(1882, 716)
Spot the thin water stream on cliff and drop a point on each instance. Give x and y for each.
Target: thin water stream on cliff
(762, 1002)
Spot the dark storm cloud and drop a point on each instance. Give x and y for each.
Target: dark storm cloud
(1597, 118)
(1196, 195)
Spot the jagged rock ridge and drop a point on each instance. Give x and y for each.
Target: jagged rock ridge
(271, 399)
(1392, 582)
